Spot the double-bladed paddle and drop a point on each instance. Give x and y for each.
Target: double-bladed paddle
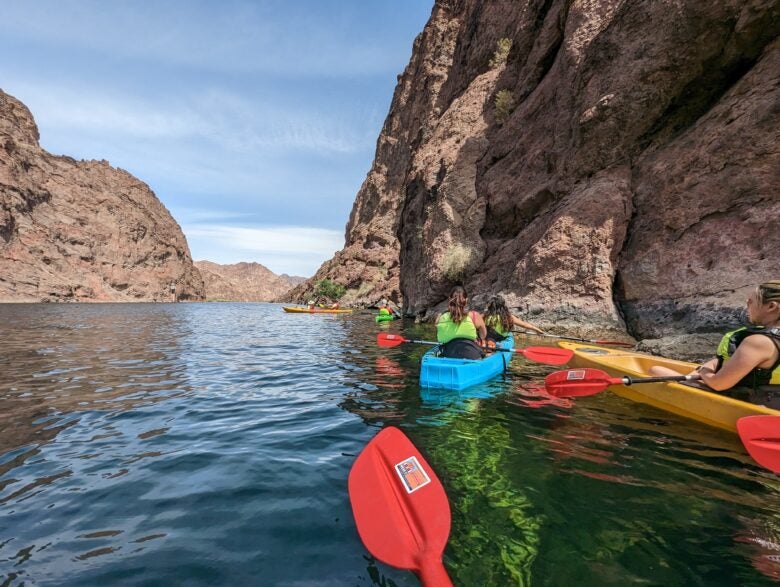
(540, 354)
(598, 341)
(581, 382)
(401, 510)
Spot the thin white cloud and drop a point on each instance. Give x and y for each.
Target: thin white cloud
(240, 37)
(218, 117)
(295, 250)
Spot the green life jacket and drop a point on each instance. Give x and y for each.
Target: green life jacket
(494, 322)
(447, 330)
(758, 376)
(384, 312)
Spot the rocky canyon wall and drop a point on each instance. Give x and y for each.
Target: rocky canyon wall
(613, 164)
(81, 230)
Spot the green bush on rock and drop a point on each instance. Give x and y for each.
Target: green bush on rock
(503, 46)
(505, 104)
(456, 262)
(330, 289)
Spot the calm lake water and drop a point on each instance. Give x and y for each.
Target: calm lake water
(209, 444)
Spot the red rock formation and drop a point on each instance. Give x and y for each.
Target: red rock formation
(630, 170)
(244, 282)
(82, 230)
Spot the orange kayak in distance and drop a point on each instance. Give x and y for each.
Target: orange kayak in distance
(297, 310)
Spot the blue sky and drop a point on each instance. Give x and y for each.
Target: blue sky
(255, 122)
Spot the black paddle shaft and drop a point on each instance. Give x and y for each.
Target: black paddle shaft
(629, 381)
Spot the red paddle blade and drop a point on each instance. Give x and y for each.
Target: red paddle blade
(389, 340)
(761, 437)
(546, 354)
(578, 382)
(400, 508)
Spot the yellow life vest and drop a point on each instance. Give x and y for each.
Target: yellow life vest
(447, 330)
(494, 322)
(758, 376)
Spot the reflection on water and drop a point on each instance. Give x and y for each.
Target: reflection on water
(205, 444)
(763, 539)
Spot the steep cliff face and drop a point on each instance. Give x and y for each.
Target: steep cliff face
(244, 282)
(81, 230)
(617, 167)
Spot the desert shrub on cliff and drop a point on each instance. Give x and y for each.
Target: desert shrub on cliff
(505, 104)
(503, 46)
(456, 261)
(330, 289)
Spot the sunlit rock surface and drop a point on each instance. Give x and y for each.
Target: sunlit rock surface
(82, 230)
(244, 282)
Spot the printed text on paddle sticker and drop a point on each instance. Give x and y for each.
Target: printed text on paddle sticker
(575, 375)
(412, 474)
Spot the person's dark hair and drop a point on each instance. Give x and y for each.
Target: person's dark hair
(496, 309)
(457, 304)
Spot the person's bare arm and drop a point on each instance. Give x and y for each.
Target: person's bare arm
(480, 324)
(753, 351)
(527, 325)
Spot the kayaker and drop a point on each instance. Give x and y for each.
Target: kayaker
(459, 331)
(311, 304)
(388, 308)
(748, 357)
(499, 320)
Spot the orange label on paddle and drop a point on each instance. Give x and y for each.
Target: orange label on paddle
(575, 375)
(412, 474)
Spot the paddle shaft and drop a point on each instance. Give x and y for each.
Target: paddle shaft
(433, 574)
(613, 342)
(484, 348)
(633, 380)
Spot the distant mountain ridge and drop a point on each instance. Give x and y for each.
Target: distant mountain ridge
(244, 282)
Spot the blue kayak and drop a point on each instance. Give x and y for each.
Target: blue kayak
(459, 374)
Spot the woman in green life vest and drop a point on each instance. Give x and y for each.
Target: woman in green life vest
(459, 331)
(750, 356)
(499, 320)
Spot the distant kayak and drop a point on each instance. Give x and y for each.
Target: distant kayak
(298, 310)
(457, 374)
(706, 406)
(384, 318)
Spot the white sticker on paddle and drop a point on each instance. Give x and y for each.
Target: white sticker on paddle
(575, 375)
(412, 475)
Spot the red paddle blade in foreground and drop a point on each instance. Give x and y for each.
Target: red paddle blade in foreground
(389, 340)
(546, 354)
(400, 508)
(578, 382)
(761, 437)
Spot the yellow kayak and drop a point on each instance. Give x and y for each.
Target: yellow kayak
(298, 310)
(685, 400)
